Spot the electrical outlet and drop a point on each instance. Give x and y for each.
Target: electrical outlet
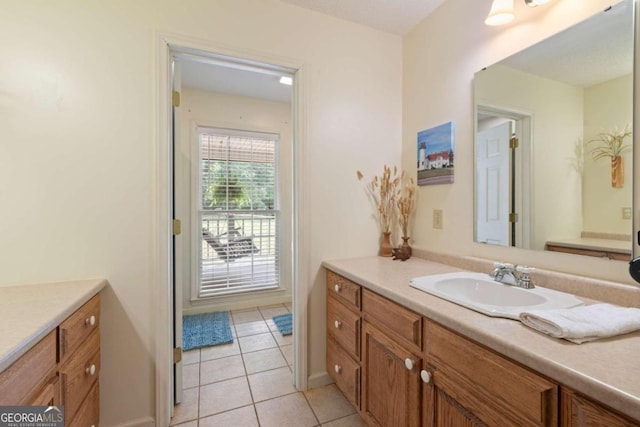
(626, 213)
(437, 219)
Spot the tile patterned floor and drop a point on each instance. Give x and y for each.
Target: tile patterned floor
(250, 382)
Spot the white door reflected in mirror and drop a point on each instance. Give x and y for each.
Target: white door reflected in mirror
(492, 184)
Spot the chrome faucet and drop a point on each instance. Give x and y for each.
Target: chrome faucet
(508, 274)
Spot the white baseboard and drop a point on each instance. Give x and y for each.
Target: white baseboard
(247, 301)
(319, 380)
(142, 422)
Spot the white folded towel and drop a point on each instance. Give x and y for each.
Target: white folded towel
(584, 323)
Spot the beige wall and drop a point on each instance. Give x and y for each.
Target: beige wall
(202, 108)
(557, 121)
(608, 106)
(77, 151)
(441, 55)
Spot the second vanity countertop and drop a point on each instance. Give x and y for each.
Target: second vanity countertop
(606, 370)
(594, 244)
(29, 312)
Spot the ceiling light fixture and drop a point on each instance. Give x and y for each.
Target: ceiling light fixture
(501, 13)
(286, 80)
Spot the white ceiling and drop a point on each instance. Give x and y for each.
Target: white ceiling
(202, 75)
(391, 16)
(591, 52)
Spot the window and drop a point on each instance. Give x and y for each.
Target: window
(238, 213)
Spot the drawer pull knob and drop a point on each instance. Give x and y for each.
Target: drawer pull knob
(91, 370)
(337, 287)
(337, 368)
(337, 324)
(426, 376)
(408, 363)
(90, 321)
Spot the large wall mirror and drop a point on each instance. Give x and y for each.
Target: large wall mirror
(550, 171)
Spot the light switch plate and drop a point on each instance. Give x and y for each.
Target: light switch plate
(437, 219)
(626, 213)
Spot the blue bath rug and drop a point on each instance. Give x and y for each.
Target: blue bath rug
(204, 330)
(284, 323)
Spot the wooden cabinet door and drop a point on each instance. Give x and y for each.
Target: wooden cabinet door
(390, 391)
(441, 409)
(578, 411)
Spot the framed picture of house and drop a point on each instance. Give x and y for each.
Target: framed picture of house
(435, 155)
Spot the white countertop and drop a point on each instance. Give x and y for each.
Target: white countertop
(594, 244)
(606, 370)
(29, 312)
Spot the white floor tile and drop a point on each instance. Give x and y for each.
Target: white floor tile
(257, 342)
(225, 368)
(263, 360)
(223, 396)
(287, 411)
(269, 384)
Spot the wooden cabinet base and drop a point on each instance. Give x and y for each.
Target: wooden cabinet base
(578, 411)
(89, 412)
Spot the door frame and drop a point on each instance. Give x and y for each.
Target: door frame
(162, 250)
(523, 162)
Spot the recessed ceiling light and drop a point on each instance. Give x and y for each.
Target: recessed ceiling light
(286, 80)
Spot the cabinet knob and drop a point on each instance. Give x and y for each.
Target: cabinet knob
(337, 287)
(337, 368)
(337, 324)
(91, 370)
(90, 321)
(426, 376)
(408, 363)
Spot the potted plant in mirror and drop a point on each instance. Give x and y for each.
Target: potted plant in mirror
(611, 144)
(383, 192)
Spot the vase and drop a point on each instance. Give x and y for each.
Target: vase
(617, 172)
(385, 245)
(405, 245)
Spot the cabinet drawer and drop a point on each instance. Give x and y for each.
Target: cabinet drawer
(344, 371)
(493, 388)
(78, 326)
(402, 324)
(344, 326)
(78, 375)
(29, 373)
(89, 412)
(343, 289)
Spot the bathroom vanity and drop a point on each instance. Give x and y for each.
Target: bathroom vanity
(404, 357)
(50, 347)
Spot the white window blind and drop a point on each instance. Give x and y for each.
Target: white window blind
(238, 212)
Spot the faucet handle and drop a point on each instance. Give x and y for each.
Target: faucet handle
(499, 264)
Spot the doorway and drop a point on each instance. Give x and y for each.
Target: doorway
(172, 48)
(503, 168)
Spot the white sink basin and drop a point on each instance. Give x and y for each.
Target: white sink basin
(479, 292)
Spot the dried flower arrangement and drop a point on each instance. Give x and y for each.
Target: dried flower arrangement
(384, 192)
(406, 204)
(610, 144)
